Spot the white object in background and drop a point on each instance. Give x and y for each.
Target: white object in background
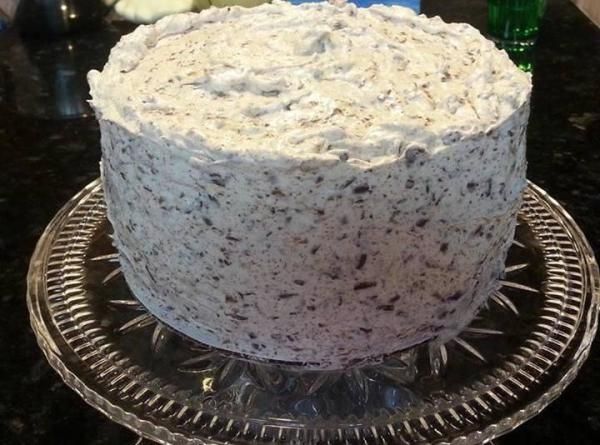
(9, 7)
(148, 11)
(224, 3)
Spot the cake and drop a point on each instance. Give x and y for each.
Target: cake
(320, 185)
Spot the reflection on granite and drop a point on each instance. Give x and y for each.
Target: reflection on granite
(45, 162)
(47, 79)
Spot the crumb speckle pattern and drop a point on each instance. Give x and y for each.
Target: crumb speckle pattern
(305, 255)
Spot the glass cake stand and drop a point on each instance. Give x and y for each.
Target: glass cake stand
(517, 356)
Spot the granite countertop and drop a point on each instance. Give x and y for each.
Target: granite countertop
(45, 160)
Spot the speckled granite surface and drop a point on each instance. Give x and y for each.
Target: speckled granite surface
(45, 162)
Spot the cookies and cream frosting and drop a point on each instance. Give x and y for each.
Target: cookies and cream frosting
(318, 184)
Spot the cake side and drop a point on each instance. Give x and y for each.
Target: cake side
(326, 265)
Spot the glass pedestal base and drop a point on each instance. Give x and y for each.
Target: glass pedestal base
(517, 356)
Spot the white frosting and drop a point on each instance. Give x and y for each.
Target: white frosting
(312, 183)
(299, 80)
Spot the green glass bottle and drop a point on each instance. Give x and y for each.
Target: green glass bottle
(515, 22)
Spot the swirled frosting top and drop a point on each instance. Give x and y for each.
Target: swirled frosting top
(309, 80)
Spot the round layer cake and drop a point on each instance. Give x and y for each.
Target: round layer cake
(312, 184)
